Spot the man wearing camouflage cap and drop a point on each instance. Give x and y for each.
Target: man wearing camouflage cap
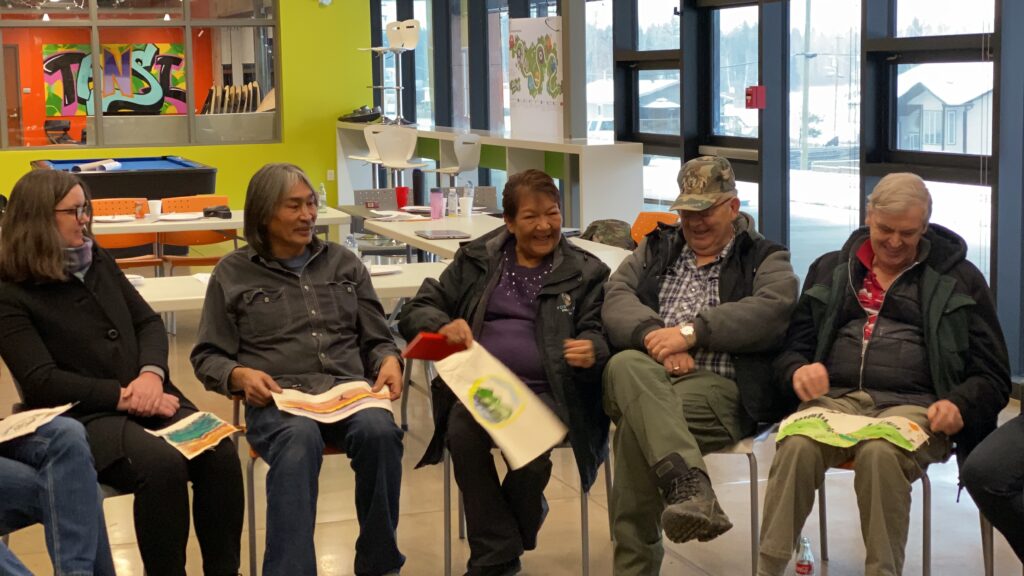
(699, 310)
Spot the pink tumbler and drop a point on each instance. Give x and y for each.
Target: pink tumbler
(436, 204)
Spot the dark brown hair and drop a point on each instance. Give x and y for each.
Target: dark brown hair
(31, 248)
(531, 180)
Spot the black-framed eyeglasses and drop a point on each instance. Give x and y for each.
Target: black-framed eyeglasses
(77, 211)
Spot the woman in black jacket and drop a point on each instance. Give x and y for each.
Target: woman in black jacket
(73, 329)
(534, 301)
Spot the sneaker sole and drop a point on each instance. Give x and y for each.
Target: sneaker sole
(681, 528)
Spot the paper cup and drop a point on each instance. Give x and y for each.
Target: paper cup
(155, 207)
(465, 206)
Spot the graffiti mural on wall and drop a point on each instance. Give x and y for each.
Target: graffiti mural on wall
(137, 79)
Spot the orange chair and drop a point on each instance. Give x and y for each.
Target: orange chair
(114, 206)
(196, 238)
(647, 221)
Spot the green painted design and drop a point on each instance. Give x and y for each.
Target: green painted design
(490, 406)
(538, 63)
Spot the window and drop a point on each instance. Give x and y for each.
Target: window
(824, 127)
(600, 72)
(166, 10)
(932, 96)
(943, 17)
(967, 210)
(658, 24)
(931, 127)
(46, 62)
(736, 67)
(147, 84)
(658, 100)
(497, 63)
(951, 127)
(424, 56)
(660, 187)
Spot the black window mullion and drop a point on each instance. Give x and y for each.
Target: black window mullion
(404, 11)
(444, 111)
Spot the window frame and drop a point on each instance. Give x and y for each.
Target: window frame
(94, 23)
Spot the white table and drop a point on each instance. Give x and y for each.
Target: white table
(183, 293)
(475, 226)
(602, 178)
(152, 224)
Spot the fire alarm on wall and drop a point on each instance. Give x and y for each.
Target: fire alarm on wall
(755, 97)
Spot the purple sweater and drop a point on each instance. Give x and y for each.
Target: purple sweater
(509, 331)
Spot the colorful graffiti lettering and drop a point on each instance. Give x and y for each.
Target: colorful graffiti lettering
(137, 79)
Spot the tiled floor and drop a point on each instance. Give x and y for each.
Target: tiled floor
(956, 547)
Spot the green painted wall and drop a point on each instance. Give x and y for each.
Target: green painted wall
(324, 76)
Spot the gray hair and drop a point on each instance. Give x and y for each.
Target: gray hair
(266, 189)
(897, 192)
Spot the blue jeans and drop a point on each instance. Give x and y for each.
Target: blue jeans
(994, 475)
(49, 477)
(293, 447)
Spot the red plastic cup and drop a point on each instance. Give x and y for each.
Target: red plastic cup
(402, 196)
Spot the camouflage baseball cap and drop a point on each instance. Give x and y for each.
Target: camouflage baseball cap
(704, 182)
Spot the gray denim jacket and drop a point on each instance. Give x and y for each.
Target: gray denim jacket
(308, 330)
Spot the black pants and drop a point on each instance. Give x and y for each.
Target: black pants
(158, 475)
(502, 517)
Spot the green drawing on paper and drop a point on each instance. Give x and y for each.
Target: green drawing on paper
(494, 400)
(197, 429)
(538, 65)
(844, 430)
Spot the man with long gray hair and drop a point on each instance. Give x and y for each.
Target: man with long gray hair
(291, 311)
(896, 323)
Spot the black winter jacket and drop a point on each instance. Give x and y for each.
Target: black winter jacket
(965, 351)
(577, 277)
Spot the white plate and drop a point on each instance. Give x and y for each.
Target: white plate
(417, 209)
(114, 218)
(383, 269)
(181, 216)
(135, 279)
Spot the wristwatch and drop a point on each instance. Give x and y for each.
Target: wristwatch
(689, 334)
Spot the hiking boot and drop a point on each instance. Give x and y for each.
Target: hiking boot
(692, 510)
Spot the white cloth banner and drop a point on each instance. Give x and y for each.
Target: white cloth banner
(519, 422)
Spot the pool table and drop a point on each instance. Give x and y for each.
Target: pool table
(155, 177)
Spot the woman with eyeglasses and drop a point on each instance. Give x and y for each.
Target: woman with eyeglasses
(73, 329)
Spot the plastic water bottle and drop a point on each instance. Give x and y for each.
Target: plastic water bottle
(453, 202)
(352, 243)
(804, 558)
(321, 199)
(470, 193)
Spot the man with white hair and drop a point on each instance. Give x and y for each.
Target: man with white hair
(896, 323)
